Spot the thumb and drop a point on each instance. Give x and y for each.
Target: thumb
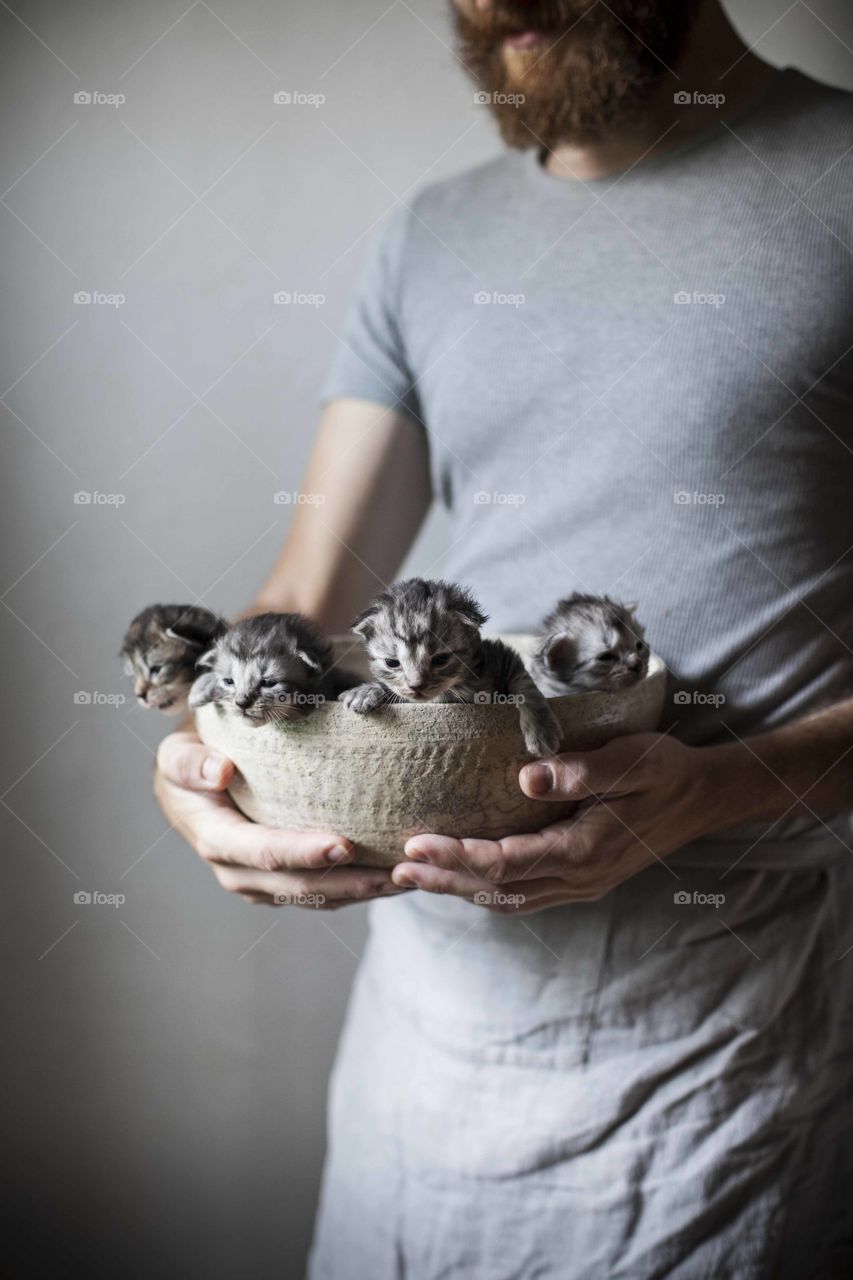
(183, 760)
(611, 770)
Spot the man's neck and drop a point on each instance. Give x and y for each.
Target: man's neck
(715, 62)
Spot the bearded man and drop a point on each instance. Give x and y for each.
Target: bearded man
(637, 319)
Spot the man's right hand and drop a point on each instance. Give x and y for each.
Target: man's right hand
(262, 864)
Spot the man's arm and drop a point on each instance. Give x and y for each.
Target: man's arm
(368, 488)
(803, 767)
(640, 799)
(365, 494)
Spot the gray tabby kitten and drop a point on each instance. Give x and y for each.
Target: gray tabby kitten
(424, 643)
(161, 648)
(270, 668)
(589, 644)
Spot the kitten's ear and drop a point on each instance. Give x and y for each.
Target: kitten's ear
(363, 624)
(463, 604)
(309, 659)
(207, 659)
(196, 627)
(186, 633)
(203, 690)
(560, 652)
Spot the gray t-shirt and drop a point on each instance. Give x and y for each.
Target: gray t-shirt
(642, 385)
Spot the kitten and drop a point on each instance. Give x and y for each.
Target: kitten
(270, 668)
(160, 650)
(424, 643)
(589, 644)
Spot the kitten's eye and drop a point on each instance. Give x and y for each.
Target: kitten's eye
(393, 663)
(441, 659)
(228, 682)
(609, 656)
(154, 671)
(641, 644)
(270, 683)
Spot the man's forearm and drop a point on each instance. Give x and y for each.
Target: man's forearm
(803, 767)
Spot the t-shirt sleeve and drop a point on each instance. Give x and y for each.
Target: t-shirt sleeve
(370, 361)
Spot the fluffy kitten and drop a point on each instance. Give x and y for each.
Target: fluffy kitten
(160, 651)
(270, 668)
(424, 643)
(589, 644)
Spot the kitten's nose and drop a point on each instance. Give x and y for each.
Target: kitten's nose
(633, 662)
(244, 701)
(417, 684)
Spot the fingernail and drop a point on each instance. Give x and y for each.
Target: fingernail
(395, 888)
(212, 766)
(338, 853)
(417, 855)
(538, 778)
(405, 880)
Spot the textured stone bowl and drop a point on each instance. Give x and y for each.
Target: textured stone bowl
(405, 769)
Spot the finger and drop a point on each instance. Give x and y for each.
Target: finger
(227, 837)
(617, 769)
(460, 884)
(186, 762)
(308, 888)
(523, 857)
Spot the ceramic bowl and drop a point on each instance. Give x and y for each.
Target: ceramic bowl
(381, 778)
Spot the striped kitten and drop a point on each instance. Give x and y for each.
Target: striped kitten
(589, 644)
(270, 668)
(161, 648)
(424, 643)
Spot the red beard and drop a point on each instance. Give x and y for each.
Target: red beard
(595, 68)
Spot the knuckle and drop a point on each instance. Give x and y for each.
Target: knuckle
(206, 848)
(299, 887)
(364, 887)
(268, 858)
(495, 873)
(576, 852)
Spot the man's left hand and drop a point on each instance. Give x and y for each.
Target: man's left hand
(639, 799)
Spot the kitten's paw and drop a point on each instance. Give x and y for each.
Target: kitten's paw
(541, 733)
(363, 698)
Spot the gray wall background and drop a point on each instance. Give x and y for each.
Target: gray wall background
(169, 1057)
